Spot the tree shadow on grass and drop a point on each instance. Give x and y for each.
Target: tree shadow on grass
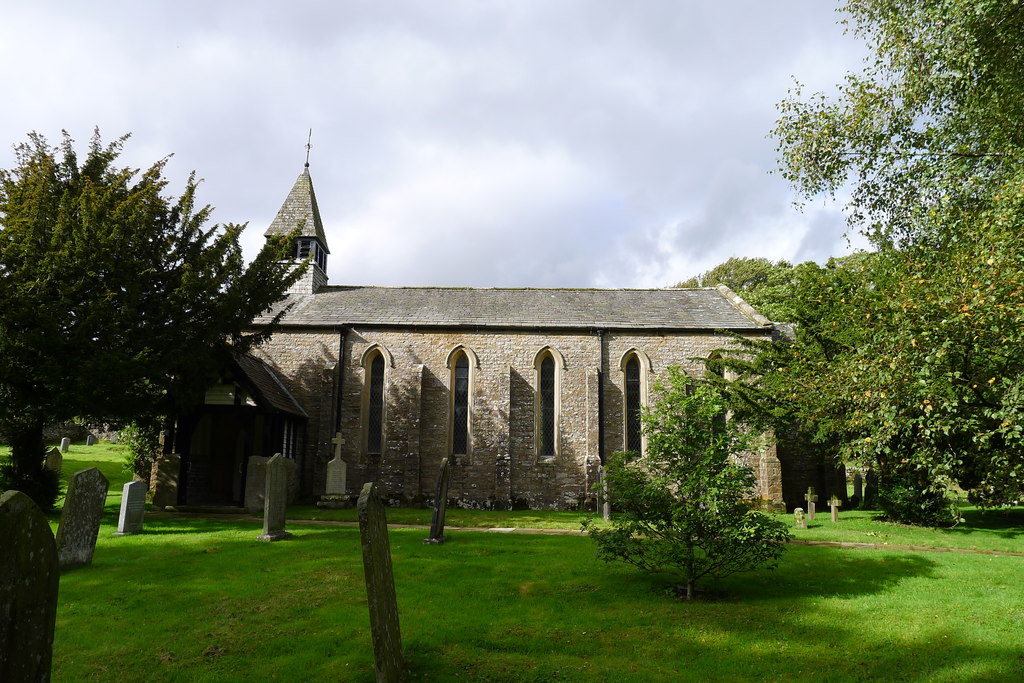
(1005, 523)
(163, 526)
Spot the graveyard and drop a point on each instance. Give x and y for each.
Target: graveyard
(194, 599)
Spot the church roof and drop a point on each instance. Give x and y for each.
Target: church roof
(268, 385)
(300, 210)
(652, 309)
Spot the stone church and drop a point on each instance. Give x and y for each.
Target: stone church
(525, 391)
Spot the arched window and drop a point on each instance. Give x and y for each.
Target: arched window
(546, 442)
(636, 371)
(634, 401)
(548, 365)
(460, 405)
(375, 405)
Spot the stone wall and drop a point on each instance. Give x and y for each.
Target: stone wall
(502, 469)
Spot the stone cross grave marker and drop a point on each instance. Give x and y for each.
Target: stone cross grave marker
(54, 460)
(389, 663)
(801, 521)
(275, 500)
(65, 444)
(80, 518)
(812, 498)
(29, 579)
(858, 487)
(834, 503)
(440, 504)
(90, 440)
(337, 470)
(133, 508)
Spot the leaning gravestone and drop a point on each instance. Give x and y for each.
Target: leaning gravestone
(65, 444)
(380, 587)
(440, 504)
(133, 508)
(29, 579)
(54, 460)
(90, 440)
(80, 518)
(275, 500)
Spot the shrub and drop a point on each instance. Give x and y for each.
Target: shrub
(683, 508)
(42, 486)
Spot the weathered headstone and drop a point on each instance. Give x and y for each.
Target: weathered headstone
(80, 518)
(389, 663)
(65, 444)
(90, 440)
(870, 499)
(834, 504)
(335, 495)
(54, 460)
(858, 488)
(812, 498)
(275, 500)
(29, 579)
(440, 504)
(133, 508)
(801, 521)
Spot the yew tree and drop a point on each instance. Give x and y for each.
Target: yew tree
(117, 302)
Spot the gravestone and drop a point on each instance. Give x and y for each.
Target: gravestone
(80, 518)
(858, 489)
(54, 460)
(29, 579)
(870, 499)
(380, 587)
(801, 521)
(275, 500)
(65, 444)
(440, 504)
(133, 508)
(335, 495)
(834, 504)
(90, 440)
(812, 498)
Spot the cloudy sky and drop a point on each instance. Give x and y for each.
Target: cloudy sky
(455, 142)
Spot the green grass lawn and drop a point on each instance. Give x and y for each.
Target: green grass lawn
(202, 600)
(196, 600)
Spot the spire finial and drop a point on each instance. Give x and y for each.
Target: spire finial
(309, 146)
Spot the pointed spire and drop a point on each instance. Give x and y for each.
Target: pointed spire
(300, 210)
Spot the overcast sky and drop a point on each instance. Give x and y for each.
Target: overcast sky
(584, 143)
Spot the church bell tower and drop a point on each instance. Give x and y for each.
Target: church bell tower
(301, 211)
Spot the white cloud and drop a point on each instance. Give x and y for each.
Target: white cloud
(502, 143)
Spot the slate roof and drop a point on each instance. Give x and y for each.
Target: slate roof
(300, 208)
(648, 309)
(268, 385)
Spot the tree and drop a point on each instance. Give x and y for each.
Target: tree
(116, 302)
(916, 369)
(683, 509)
(770, 287)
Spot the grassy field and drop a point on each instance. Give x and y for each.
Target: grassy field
(202, 600)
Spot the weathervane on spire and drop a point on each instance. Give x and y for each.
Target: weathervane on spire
(309, 146)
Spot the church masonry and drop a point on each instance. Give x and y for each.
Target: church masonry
(525, 390)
